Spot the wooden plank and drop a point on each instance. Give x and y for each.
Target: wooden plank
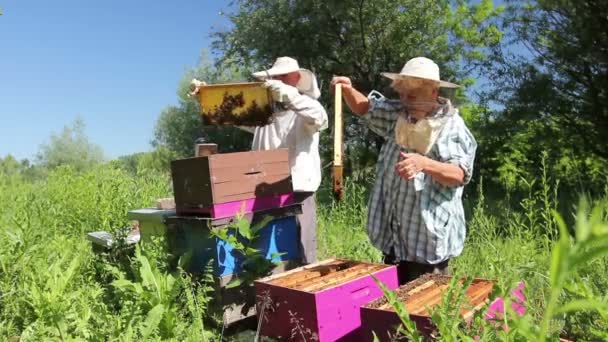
(324, 275)
(298, 272)
(252, 218)
(475, 295)
(204, 150)
(417, 303)
(341, 278)
(338, 144)
(331, 278)
(418, 299)
(430, 302)
(252, 171)
(307, 275)
(413, 291)
(305, 278)
(191, 185)
(478, 300)
(165, 203)
(346, 278)
(250, 188)
(338, 126)
(218, 161)
(474, 298)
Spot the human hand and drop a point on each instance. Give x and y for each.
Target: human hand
(195, 85)
(343, 80)
(280, 91)
(410, 165)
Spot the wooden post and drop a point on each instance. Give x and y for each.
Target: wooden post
(204, 150)
(338, 146)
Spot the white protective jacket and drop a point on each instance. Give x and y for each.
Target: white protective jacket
(296, 125)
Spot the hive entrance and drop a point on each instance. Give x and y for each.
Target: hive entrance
(318, 278)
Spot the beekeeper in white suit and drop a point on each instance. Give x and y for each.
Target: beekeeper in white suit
(296, 123)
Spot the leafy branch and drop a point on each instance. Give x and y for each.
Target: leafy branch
(244, 238)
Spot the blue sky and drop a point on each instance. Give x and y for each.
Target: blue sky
(114, 63)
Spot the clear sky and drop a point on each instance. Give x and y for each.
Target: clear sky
(115, 63)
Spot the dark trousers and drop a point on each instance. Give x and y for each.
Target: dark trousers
(307, 222)
(408, 270)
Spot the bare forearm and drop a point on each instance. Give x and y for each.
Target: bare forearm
(355, 100)
(445, 173)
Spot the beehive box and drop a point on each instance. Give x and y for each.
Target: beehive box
(319, 301)
(237, 303)
(222, 185)
(188, 237)
(151, 221)
(418, 296)
(245, 104)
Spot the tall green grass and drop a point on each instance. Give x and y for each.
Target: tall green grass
(508, 242)
(54, 287)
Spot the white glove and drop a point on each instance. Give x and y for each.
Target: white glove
(281, 92)
(195, 86)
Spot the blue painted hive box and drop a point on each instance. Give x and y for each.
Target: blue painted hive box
(190, 238)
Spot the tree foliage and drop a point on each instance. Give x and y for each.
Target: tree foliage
(550, 80)
(360, 39)
(70, 147)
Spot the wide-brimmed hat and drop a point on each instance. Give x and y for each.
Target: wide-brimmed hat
(307, 84)
(420, 67)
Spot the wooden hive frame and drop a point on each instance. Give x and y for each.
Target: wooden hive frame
(418, 297)
(320, 277)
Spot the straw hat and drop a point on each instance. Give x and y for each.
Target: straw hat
(285, 65)
(420, 67)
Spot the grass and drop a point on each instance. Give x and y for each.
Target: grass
(341, 228)
(506, 244)
(53, 287)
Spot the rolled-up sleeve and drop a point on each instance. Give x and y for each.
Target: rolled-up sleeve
(382, 116)
(458, 146)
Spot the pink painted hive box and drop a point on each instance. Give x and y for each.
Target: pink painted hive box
(222, 185)
(320, 301)
(418, 297)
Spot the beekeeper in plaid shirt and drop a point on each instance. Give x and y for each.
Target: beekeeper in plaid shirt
(415, 213)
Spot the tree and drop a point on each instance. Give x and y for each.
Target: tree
(10, 166)
(178, 127)
(71, 147)
(361, 39)
(550, 78)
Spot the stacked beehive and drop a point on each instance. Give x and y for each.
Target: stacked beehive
(213, 192)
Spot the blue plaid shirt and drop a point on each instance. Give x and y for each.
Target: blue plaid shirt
(418, 220)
